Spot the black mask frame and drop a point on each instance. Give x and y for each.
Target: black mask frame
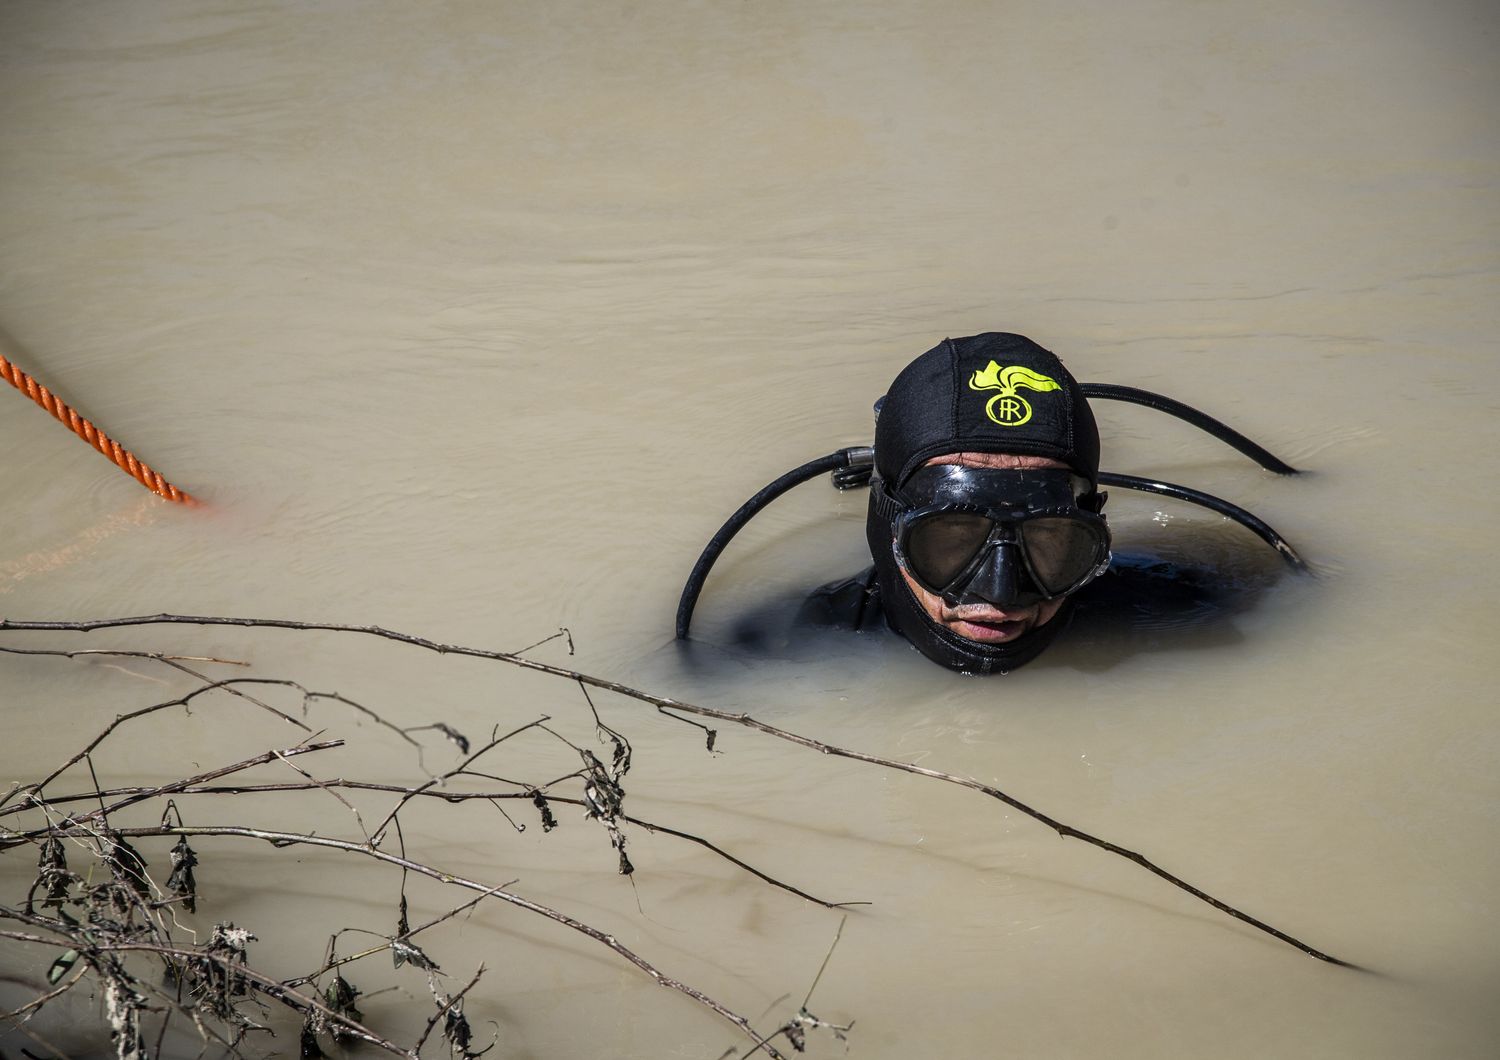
(1010, 537)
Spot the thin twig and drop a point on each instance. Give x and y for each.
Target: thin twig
(330, 789)
(443, 1010)
(339, 962)
(827, 957)
(412, 793)
(193, 788)
(38, 1002)
(121, 719)
(137, 795)
(562, 631)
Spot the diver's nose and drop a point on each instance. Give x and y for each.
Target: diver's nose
(1001, 581)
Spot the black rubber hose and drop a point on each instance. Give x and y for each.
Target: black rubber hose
(1204, 422)
(747, 511)
(1207, 500)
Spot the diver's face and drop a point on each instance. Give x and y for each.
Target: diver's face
(984, 622)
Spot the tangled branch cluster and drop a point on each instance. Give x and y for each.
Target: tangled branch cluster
(96, 902)
(111, 918)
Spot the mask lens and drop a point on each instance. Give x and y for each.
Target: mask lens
(1061, 551)
(940, 546)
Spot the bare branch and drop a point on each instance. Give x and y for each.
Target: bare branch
(118, 654)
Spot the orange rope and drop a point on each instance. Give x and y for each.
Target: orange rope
(123, 458)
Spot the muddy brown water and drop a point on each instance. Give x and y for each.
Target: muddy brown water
(474, 320)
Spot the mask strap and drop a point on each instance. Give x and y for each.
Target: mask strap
(886, 506)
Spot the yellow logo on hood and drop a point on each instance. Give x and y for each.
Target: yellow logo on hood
(1008, 408)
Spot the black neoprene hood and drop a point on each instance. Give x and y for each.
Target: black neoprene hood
(990, 393)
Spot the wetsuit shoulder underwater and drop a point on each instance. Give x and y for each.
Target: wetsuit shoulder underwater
(986, 518)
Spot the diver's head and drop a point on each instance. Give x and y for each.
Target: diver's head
(984, 510)
(997, 601)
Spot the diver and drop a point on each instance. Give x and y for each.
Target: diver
(986, 518)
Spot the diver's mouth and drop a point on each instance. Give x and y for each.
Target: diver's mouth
(988, 631)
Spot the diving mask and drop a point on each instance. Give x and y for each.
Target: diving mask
(1005, 537)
